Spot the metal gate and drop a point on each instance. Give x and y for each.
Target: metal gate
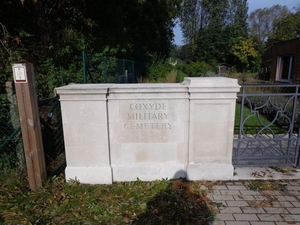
(267, 126)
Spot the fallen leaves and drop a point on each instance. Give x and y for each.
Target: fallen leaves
(121, 203)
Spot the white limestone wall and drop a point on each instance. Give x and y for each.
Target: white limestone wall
(212, 112)
(121, 132)
(84, 115)
(148, 131)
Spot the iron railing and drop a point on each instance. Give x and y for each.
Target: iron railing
(267, 126)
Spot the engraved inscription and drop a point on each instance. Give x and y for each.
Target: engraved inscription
(148, 106)
(148, 116)
(147, 126)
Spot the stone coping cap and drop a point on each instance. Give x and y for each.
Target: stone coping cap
(194, 84)
(121, 88)
(212, 85)
(148, 88)
(83, 89)
(211, 82)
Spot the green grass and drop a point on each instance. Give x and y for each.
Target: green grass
(253, 125)
(60, 202)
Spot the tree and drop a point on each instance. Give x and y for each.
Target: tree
(210, 38)
(185, 53)
(245, 54)
(261, 21)
(52, 33)
(208, 26)
(297, 8)
(191, 20)
(237, 18)
(286, 29)
(266, 28)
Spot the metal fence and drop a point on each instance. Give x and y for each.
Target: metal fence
(267, 126)
(99, 69)
(11, 145)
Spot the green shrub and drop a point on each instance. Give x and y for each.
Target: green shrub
(157, 68)
(49, 75)
(180, 76)
(196, 69)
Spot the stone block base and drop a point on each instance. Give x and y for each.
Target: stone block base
(210, 171)
(90, 175)
(146, 172)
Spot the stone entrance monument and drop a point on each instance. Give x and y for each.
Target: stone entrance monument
(121, 132)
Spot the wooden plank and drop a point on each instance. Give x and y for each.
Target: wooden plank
(30, 126)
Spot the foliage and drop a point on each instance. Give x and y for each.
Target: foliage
(212, 31)
(180, 76)
(3, 100)
(285, 29)
(157, 68)
(8, 54)
(51, 34)
(58, 202)
(261, 21)
(8, 134)
(245, 55)
(160, 70)
(171, 77)
(185, 53)
(190, 21)
(196, 69)
(208, 26)
(98, 65)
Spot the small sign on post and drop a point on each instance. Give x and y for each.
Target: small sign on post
(20, 75)
(30, 123)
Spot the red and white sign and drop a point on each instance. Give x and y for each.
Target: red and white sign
(19, 71)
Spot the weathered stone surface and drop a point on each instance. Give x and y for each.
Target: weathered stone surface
(121, 132)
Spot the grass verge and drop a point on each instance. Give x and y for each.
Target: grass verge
(60, 202)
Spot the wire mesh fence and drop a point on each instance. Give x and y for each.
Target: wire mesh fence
(11, 145)
(102, 69)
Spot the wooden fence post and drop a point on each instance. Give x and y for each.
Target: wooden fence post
(30, 123)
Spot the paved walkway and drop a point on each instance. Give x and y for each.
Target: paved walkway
(267, 202)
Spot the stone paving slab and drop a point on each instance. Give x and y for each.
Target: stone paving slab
(240, 204)
(266, 173)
